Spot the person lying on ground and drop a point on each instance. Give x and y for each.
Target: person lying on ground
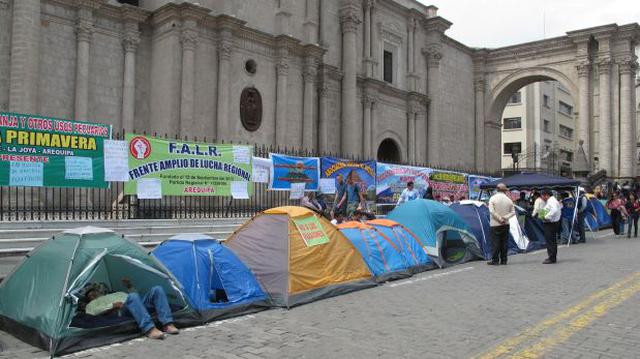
(136, 306)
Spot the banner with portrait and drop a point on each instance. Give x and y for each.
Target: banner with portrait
(361, 172)
(392, 179)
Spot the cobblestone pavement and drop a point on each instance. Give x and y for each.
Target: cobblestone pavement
(585, 306)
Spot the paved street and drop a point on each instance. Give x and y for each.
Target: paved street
(586, 306)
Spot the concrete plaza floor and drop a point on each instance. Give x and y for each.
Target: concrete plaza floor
(585, 306)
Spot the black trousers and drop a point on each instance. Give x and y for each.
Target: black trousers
(580, 227)
(499, 237)
(551, 230)
(616, 218)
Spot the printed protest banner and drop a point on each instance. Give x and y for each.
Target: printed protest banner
(448, 184)
(187, 168)
(361, 172)
(311, 230)
(474, 185)
(392, 179)
(44, 151)
(286, 170)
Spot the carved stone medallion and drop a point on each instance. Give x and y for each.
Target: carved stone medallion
(251, 109)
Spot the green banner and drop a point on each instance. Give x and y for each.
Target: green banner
(311, 230)
(39, 151)
(187, 168)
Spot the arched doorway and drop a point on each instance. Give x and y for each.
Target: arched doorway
(388, 151)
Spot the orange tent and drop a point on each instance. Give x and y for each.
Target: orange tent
(299, 256)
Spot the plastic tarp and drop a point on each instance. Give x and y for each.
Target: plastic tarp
(596, 216)
(447, 238)
(39, 299)
(216, 283)
(290, 270)
(476, 215)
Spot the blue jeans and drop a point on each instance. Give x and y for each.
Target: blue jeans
(139, 307)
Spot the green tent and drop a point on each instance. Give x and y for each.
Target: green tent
(39, 299)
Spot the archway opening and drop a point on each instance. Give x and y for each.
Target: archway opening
(388, 151)
(536, 121)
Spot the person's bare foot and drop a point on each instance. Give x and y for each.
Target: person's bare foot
(155, 334)
(170, 329)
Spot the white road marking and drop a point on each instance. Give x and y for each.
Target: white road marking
(431, 276)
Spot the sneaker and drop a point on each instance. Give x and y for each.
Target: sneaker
(170, 329)
(548, 261)
(155, 334)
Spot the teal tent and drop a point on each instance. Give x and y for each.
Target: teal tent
(39, 299)
(446, 237)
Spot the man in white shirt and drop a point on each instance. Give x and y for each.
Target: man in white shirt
(501, 209)
(552, 211)
(408, 194)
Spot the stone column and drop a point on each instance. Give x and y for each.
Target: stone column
(433, 87)
(323, 121)
(282, 73)
(411, 135)
(308, 119)
(411, 29)
(583, 130)
(479, 123)
(25, 56)
(375, 32)
(189, 39)
(604, 126)
(351, 141)
(367, 4)
(225, 48)
(367, 102)
(84, 32)
(627, 118)
(130, 43)
(421, 136)
(373, 151)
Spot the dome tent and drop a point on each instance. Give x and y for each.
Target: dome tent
(412, 248)
(384, 258)
(39, 299)
(293, 269)
(446, 236)
(215, 282)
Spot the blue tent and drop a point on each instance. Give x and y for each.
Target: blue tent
(596, 216)
(534, 230)
(528, 180)
(216, 283)
(385, 258)
(412, 248)
(476, 216)
(446, 236)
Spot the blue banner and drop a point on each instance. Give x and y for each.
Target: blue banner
(362, 172)
(288, 169)
(474, 186)
(392, 179)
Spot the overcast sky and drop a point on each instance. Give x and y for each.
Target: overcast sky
(495, 23)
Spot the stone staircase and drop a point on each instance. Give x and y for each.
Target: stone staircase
(18, 238)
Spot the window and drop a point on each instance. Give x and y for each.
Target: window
(565, 108)
(566, 132)
(545, 126)
(512, 147)
(545, 101)
(388, 66)
(515, 98)
(512, 123)
(567, 155)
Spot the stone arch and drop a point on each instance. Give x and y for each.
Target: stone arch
(500, 93)
(397, 142)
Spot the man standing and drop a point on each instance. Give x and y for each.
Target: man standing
(408, 194)
(581, 206)
(501, 209)
(551, 220)
(352, 196)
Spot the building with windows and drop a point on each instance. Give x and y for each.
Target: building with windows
(538, 128)
(374, 78)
